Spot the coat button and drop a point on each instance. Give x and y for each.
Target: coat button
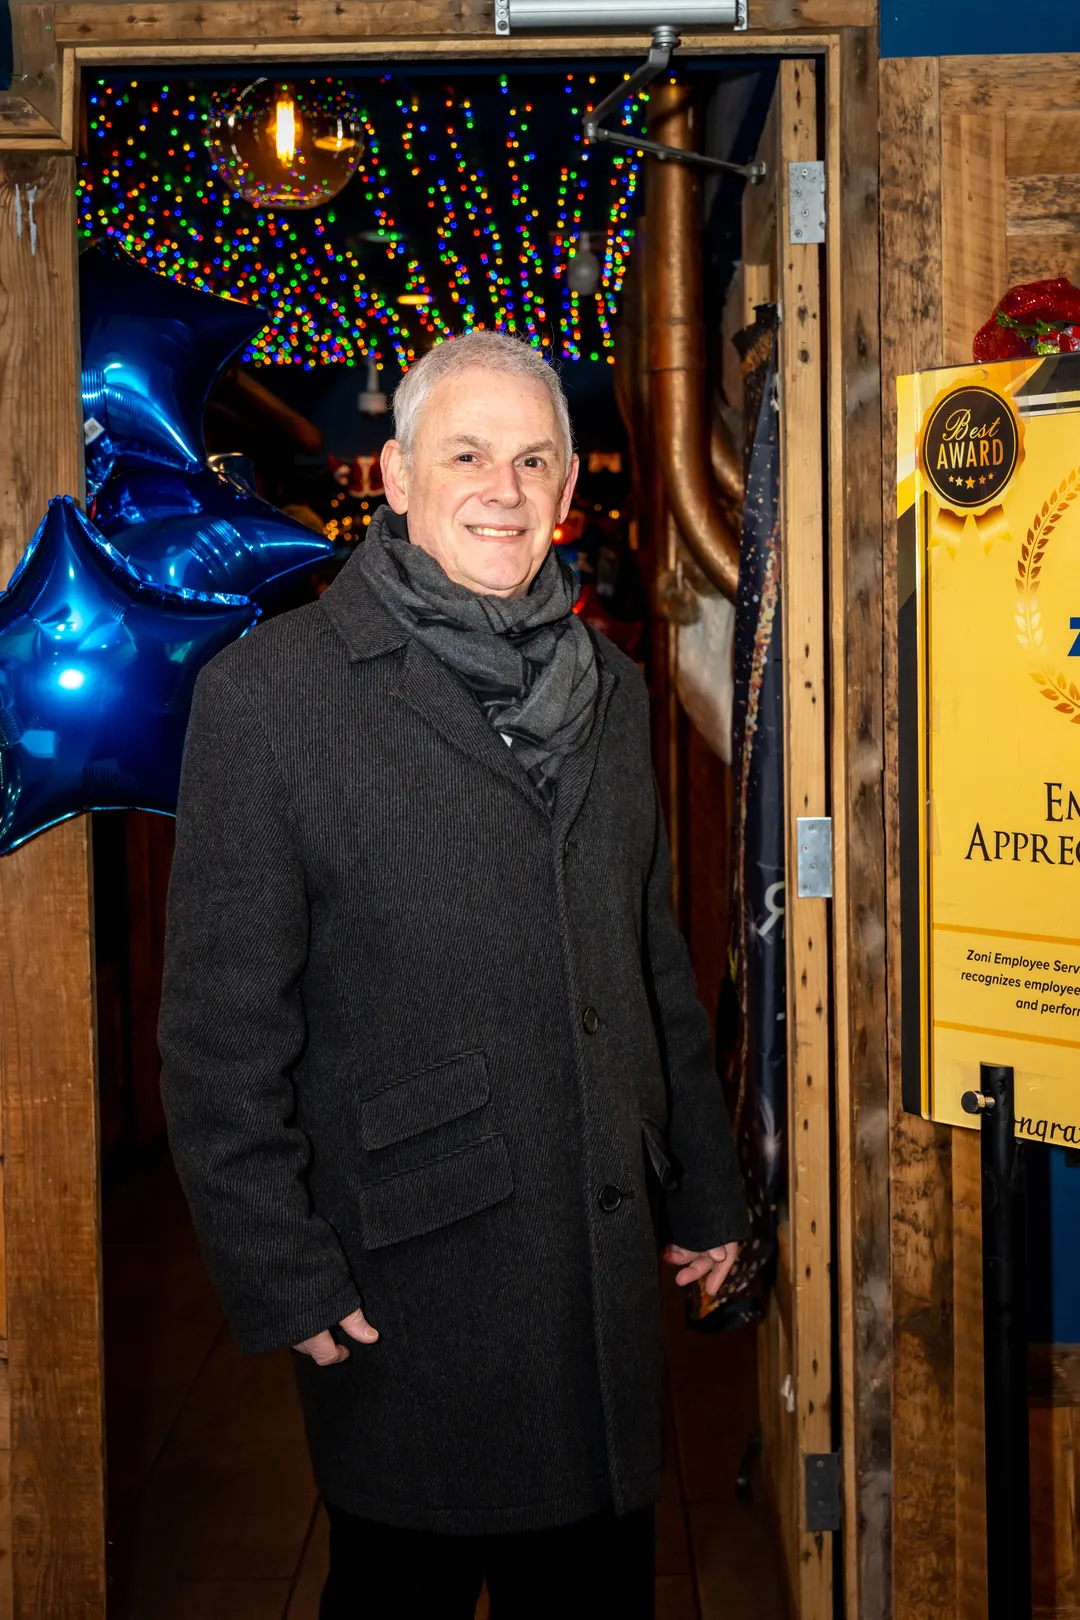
(610, 1199)
(591, 1019)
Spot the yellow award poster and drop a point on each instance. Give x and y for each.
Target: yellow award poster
(989, 688)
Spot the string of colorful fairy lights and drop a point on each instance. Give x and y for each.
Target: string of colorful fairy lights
(476, 200)
(147, 183)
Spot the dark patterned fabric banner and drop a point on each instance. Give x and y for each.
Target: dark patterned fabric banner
(750, 1028)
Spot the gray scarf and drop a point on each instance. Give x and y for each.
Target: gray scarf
(529, 660)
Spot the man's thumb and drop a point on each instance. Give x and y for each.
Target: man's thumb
(358, 1327)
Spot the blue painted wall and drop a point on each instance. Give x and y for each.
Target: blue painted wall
(1053, 1182)
(5, 46)
(978, 27)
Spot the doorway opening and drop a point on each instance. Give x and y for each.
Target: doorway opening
(474, 202)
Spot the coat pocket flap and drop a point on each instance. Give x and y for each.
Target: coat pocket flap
(659, 1155)
(437, 1194)
(422, 1101)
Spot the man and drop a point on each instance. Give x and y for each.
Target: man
(431, 1043)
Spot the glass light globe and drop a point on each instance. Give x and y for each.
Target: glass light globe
(285, 145)
(583, 269)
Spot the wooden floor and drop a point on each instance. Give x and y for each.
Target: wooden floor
(213, 1514)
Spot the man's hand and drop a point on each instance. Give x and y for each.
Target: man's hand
(324, 1349)
(712, 1264)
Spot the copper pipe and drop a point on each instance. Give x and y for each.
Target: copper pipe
(726, 464)
(673, 738)
(677, 344)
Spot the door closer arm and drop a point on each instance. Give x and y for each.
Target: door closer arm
(664, 41)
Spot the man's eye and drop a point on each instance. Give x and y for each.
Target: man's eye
(466, 455)
(534, 461)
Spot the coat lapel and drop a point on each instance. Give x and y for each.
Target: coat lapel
(576, 775)
(445, 702)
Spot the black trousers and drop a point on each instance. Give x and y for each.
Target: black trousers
(601, 1568)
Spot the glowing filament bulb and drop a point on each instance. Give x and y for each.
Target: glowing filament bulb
(285, 129)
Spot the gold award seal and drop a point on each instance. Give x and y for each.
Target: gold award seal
(972, 441)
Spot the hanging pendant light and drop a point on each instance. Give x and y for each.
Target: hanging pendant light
(373, 402)
(583, 268)
(286, 145)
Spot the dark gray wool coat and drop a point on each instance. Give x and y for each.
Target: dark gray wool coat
(424, 1048)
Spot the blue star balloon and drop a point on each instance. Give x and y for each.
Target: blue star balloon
(97, 667)
(151, 350)
(204, 532)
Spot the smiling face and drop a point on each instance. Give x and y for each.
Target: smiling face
(484, 484)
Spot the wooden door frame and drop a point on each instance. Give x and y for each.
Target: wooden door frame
(51, 1428)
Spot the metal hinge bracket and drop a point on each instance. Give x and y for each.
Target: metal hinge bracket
(822, 1491)
(814, 857)
(806, 203)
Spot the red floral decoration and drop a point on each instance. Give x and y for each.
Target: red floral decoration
(1037, 317)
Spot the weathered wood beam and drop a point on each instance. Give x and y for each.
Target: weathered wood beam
(47, 1094)
(920, 1154)
(801, 366)
(858, 762)
(87, 21)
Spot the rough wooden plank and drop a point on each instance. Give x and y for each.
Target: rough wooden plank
(779, 1457)
(732, 320)
(43, 103)
(811, 14)
(1043, 204)
(974, 276)
(87, 21)
(1042, 143)
(759, 215)
(413, 46)
(989, 84)
(47, 1057)
(973, 266)
(21, 120)
(920, 1160)
(805, 768)
(859, 835)
(1054, 1374)
(782, 1282)
(1054, 1527)
(7, 1583)
(189, 21)
(1034, 258)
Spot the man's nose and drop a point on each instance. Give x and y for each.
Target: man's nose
(504, 487)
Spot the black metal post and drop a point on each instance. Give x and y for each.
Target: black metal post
(1005, 1352)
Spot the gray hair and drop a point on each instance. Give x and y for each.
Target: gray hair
(488, 351)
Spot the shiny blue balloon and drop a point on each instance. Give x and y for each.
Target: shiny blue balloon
(151, 350)
(97, 667)
(204, 532)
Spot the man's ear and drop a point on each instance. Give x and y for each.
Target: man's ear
(567, 493)
(395, 472)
